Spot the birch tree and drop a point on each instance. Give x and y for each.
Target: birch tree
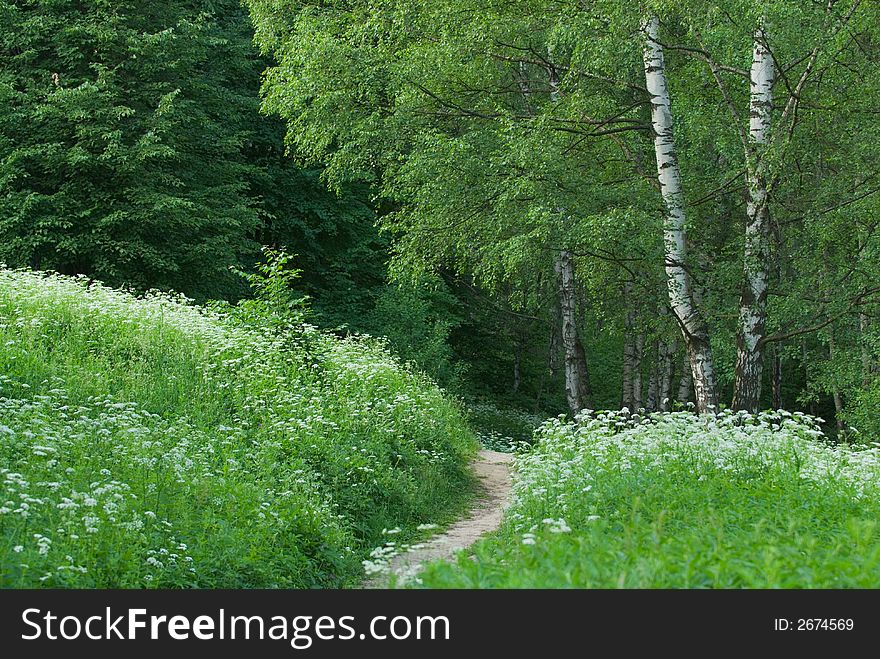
(756, 252)
(761, 144)
(688, 316)
(577, 385)
(567, 297)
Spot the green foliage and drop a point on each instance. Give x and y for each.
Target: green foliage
(124, 132)
(437, 167)
(132, 150)
(146, 442)
(416, 317)
(676, 501)
(502, 429)
(338, 246)
(861, 415)
(499, 140)
(273, 285)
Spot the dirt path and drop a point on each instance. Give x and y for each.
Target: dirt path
(493, 470)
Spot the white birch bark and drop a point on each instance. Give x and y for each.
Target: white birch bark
(756, 253)
(628, 349)
(577, 388)
(689, 318)
(573, 387)
(667, 365)
(652, 403)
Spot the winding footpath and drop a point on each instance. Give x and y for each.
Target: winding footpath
(493, 470)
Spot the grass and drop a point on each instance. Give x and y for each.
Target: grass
(677, 501)
(146, 442)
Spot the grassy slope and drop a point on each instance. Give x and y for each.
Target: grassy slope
(146, 442)
(733, 501)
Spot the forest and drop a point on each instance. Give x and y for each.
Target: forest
(281, 268)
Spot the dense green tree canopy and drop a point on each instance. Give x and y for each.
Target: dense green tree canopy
(133, 151)
(508, 152)
(126, 130)
(502, 133)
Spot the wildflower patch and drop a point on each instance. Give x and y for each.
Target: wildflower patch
(683, 501)
(148, 442)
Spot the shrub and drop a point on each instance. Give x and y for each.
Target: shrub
(861, 413)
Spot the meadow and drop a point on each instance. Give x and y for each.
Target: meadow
(149, 442)
(673, 500)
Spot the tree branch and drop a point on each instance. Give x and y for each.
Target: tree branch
(854, 302)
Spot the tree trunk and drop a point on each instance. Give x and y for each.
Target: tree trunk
(666, 366)
(756, 254)
(638, 353)
(777, 378)
(517, 368)
(629, 348)
(838, 398)
(585, 388)
(666, 351)
(652, 404)
(685, 384)
(838, 414)
(626, 398)
(567, 306)
(578, 391)
(556, 330)
(693, 326)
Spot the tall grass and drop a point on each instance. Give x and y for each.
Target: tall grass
(680, 501)
(149, 442)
